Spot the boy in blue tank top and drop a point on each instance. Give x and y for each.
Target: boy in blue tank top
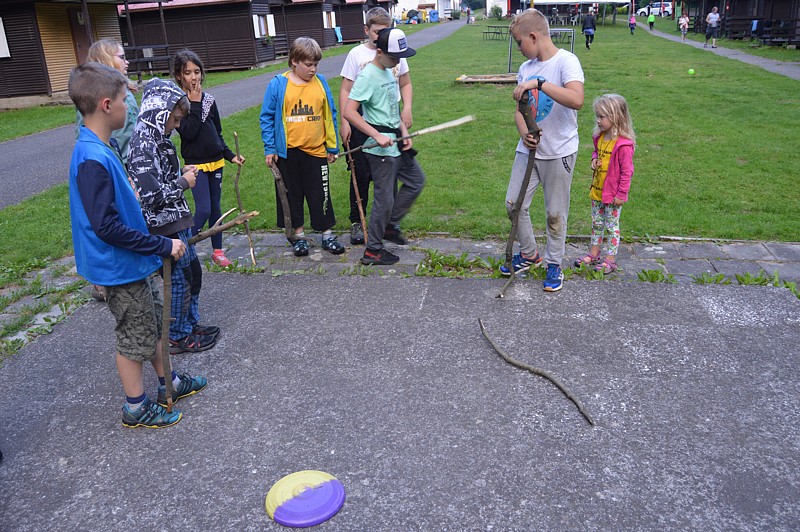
(113, 248)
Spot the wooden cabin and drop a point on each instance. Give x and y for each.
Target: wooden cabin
(41, 41)
(351, 17)
(226, 34)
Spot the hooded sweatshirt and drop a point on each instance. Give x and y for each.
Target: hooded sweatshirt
(153, 162)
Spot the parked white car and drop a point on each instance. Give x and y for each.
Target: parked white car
(656, 8)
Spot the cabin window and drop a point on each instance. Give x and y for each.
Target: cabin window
(4, 51)
(264, 26)
(329, 20)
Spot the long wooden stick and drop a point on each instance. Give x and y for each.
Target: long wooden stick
(166, 311)
(533, 129)
(433, 129)
(352, 164)
(537, 371)
(166, 319)
(280, 185)
(239, 200)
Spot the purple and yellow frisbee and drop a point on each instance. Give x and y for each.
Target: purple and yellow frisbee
(304, 498)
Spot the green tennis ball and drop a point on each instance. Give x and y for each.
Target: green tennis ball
(691, 72)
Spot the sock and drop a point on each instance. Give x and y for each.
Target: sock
(134, 403)
(301, 234)
(175, 380)
(327, 234)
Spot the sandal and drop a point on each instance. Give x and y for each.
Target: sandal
(589, 260)
(608, 265)
(300, 247)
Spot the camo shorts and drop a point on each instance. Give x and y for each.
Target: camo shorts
(137, 307)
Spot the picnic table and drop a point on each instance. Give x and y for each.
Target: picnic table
(495, 32)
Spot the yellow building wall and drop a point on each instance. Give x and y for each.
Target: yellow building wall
(59, 48)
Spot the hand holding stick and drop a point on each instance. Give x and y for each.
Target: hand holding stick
(284, 199)
(239, 199)
(533, 129)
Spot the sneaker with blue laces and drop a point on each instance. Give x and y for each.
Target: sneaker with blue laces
(150, 415)
(554, 279)
(188, 386)
(521, 264)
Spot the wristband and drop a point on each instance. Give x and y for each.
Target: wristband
(541, 82)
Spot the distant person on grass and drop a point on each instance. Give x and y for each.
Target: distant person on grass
(612, 169)
(555, 78)
(651, 19)
(359, 57)
(113, 247)
(203, 146)
(712, 27)
(632, 23)
(376, 91)
(589, 28)
(161, 184)
(683, 24)
(299, 130)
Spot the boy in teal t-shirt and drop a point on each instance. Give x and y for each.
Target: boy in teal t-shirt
(376, 91)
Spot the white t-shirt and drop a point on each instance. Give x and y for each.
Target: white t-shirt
(559, 124)
(713, 19)
(361, 56)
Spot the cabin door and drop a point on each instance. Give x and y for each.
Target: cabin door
(80, 38)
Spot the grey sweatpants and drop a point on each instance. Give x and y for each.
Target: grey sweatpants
(386, 206)
(555, 176)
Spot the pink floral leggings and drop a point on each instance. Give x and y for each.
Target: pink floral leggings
(605, 219)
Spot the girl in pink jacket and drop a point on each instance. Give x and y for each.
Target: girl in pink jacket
(612, 166)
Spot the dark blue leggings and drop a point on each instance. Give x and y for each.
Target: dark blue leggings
(207, 193)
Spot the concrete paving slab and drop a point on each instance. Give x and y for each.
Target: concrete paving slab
(701, 250)
(784, 251)
(747, 251)
(388, 384)
(694, 267)
(787, 271)
(730, 268)
(662, 250)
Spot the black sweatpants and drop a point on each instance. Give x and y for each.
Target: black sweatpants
(307, 180)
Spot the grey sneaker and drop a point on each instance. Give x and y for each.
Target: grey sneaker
(356, 234)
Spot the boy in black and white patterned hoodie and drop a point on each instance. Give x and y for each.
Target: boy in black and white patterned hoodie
(160, 184)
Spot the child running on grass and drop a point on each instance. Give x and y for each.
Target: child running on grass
(161, 182)
(359, 57)
(203, 146)
(298, 127)
(555, 78)
(612, 167)
(113, 248)
(376, 91)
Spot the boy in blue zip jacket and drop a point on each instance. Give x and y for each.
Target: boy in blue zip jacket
(113, 248)
(298, 127)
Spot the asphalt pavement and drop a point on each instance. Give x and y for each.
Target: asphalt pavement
(386, 382)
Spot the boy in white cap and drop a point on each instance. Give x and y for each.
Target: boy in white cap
(375, 90)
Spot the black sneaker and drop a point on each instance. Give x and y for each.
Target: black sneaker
(300, 247)
(378, 257)
(394, 234)
(356, 234)
(332, 245)
(206, 330)
(192, 343)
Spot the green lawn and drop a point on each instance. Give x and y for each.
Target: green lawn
(715, 156)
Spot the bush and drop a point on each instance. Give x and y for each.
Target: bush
(496, 12)
(456, 14)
